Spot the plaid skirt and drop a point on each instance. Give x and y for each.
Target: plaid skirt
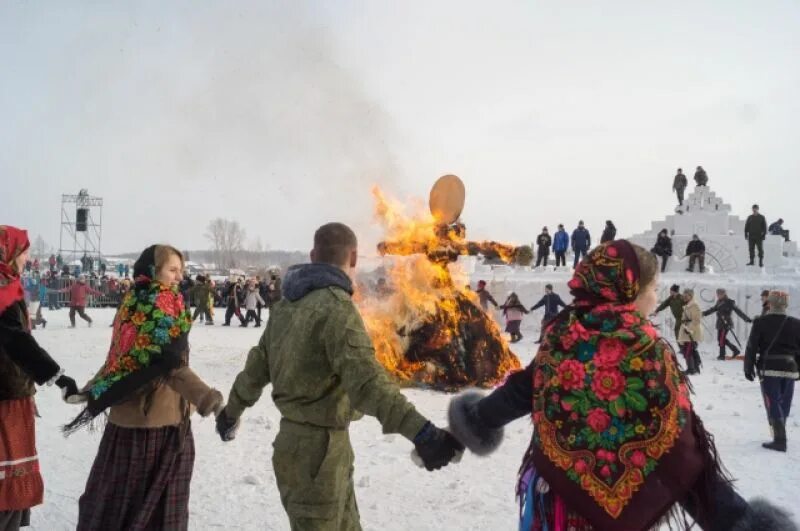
(139, 480)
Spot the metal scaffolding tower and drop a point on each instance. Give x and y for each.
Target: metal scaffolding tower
(81, 227)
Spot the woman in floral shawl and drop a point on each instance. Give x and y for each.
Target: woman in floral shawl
(140, 477)
(616, 444)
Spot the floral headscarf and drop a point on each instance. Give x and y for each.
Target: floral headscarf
(13, 242)
(609, 401)
(149, 340)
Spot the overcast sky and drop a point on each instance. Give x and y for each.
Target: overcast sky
(281, 115)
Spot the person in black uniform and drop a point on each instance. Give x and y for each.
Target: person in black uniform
(724, 308)
(773, 354)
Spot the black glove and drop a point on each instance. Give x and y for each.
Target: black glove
(226, 427)
(68, 387)
(750, 371)
(436, 447)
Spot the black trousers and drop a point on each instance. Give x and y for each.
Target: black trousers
(206, 314)
(722, 337)
(258, 309)
(680, 191)
(561, 258)
(542, 257)
(230, 312)
(251, 314)
(579, 253)
(664, 258)
(753, 245)
(81, 311)
(694, 258)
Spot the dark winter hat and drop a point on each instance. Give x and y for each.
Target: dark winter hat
(755, 207)
(765, 293)
(675, 288)
(778, 301)
(145, 265)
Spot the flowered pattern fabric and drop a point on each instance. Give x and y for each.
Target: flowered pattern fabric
(147, 320)
(609, 400)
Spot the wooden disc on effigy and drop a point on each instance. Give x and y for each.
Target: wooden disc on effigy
(447, 199)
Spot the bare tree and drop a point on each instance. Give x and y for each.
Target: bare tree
(227, 240)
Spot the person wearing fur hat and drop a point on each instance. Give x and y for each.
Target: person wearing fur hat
(616, 443)
(691, 332)
(23, 364)
(773, 354)
(140, 476)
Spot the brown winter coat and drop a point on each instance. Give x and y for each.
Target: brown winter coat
(172, 401)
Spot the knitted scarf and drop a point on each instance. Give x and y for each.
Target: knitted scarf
(13, 242)
(149, 340)
(609, 401)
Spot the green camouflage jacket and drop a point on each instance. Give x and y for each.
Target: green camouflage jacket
(316, 353)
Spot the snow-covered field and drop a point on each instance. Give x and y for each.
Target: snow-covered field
(233, 485)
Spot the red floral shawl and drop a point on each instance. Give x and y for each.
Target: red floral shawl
(609, 402)
(13, 242)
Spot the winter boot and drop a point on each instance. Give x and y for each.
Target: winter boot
(698, 362)
(760, 262)
(751, 262)
(779, 437)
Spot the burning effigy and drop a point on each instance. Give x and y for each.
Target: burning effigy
(429, 330)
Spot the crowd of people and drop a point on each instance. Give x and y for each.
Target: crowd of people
(616, 442)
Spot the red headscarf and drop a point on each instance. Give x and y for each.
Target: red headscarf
(13, 242)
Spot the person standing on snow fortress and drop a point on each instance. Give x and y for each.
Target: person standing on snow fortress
(316, 353)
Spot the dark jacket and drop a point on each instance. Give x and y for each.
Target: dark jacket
(680, 182)
(22, 361)
(551, 303)
(485, 298)
(755, 228)
(776, 229)
(675, 304)
(701, 177)
(543, 243)
(663, 246)
(609, 234)
(782, 359)
(560, 241)
(724, 309)
(234, 296)
(581, 239)
(695, 247)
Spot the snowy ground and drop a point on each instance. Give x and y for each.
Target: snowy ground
(233, 485)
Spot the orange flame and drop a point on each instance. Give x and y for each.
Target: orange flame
(427, 326)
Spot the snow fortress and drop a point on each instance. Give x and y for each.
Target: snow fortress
(704, 214)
